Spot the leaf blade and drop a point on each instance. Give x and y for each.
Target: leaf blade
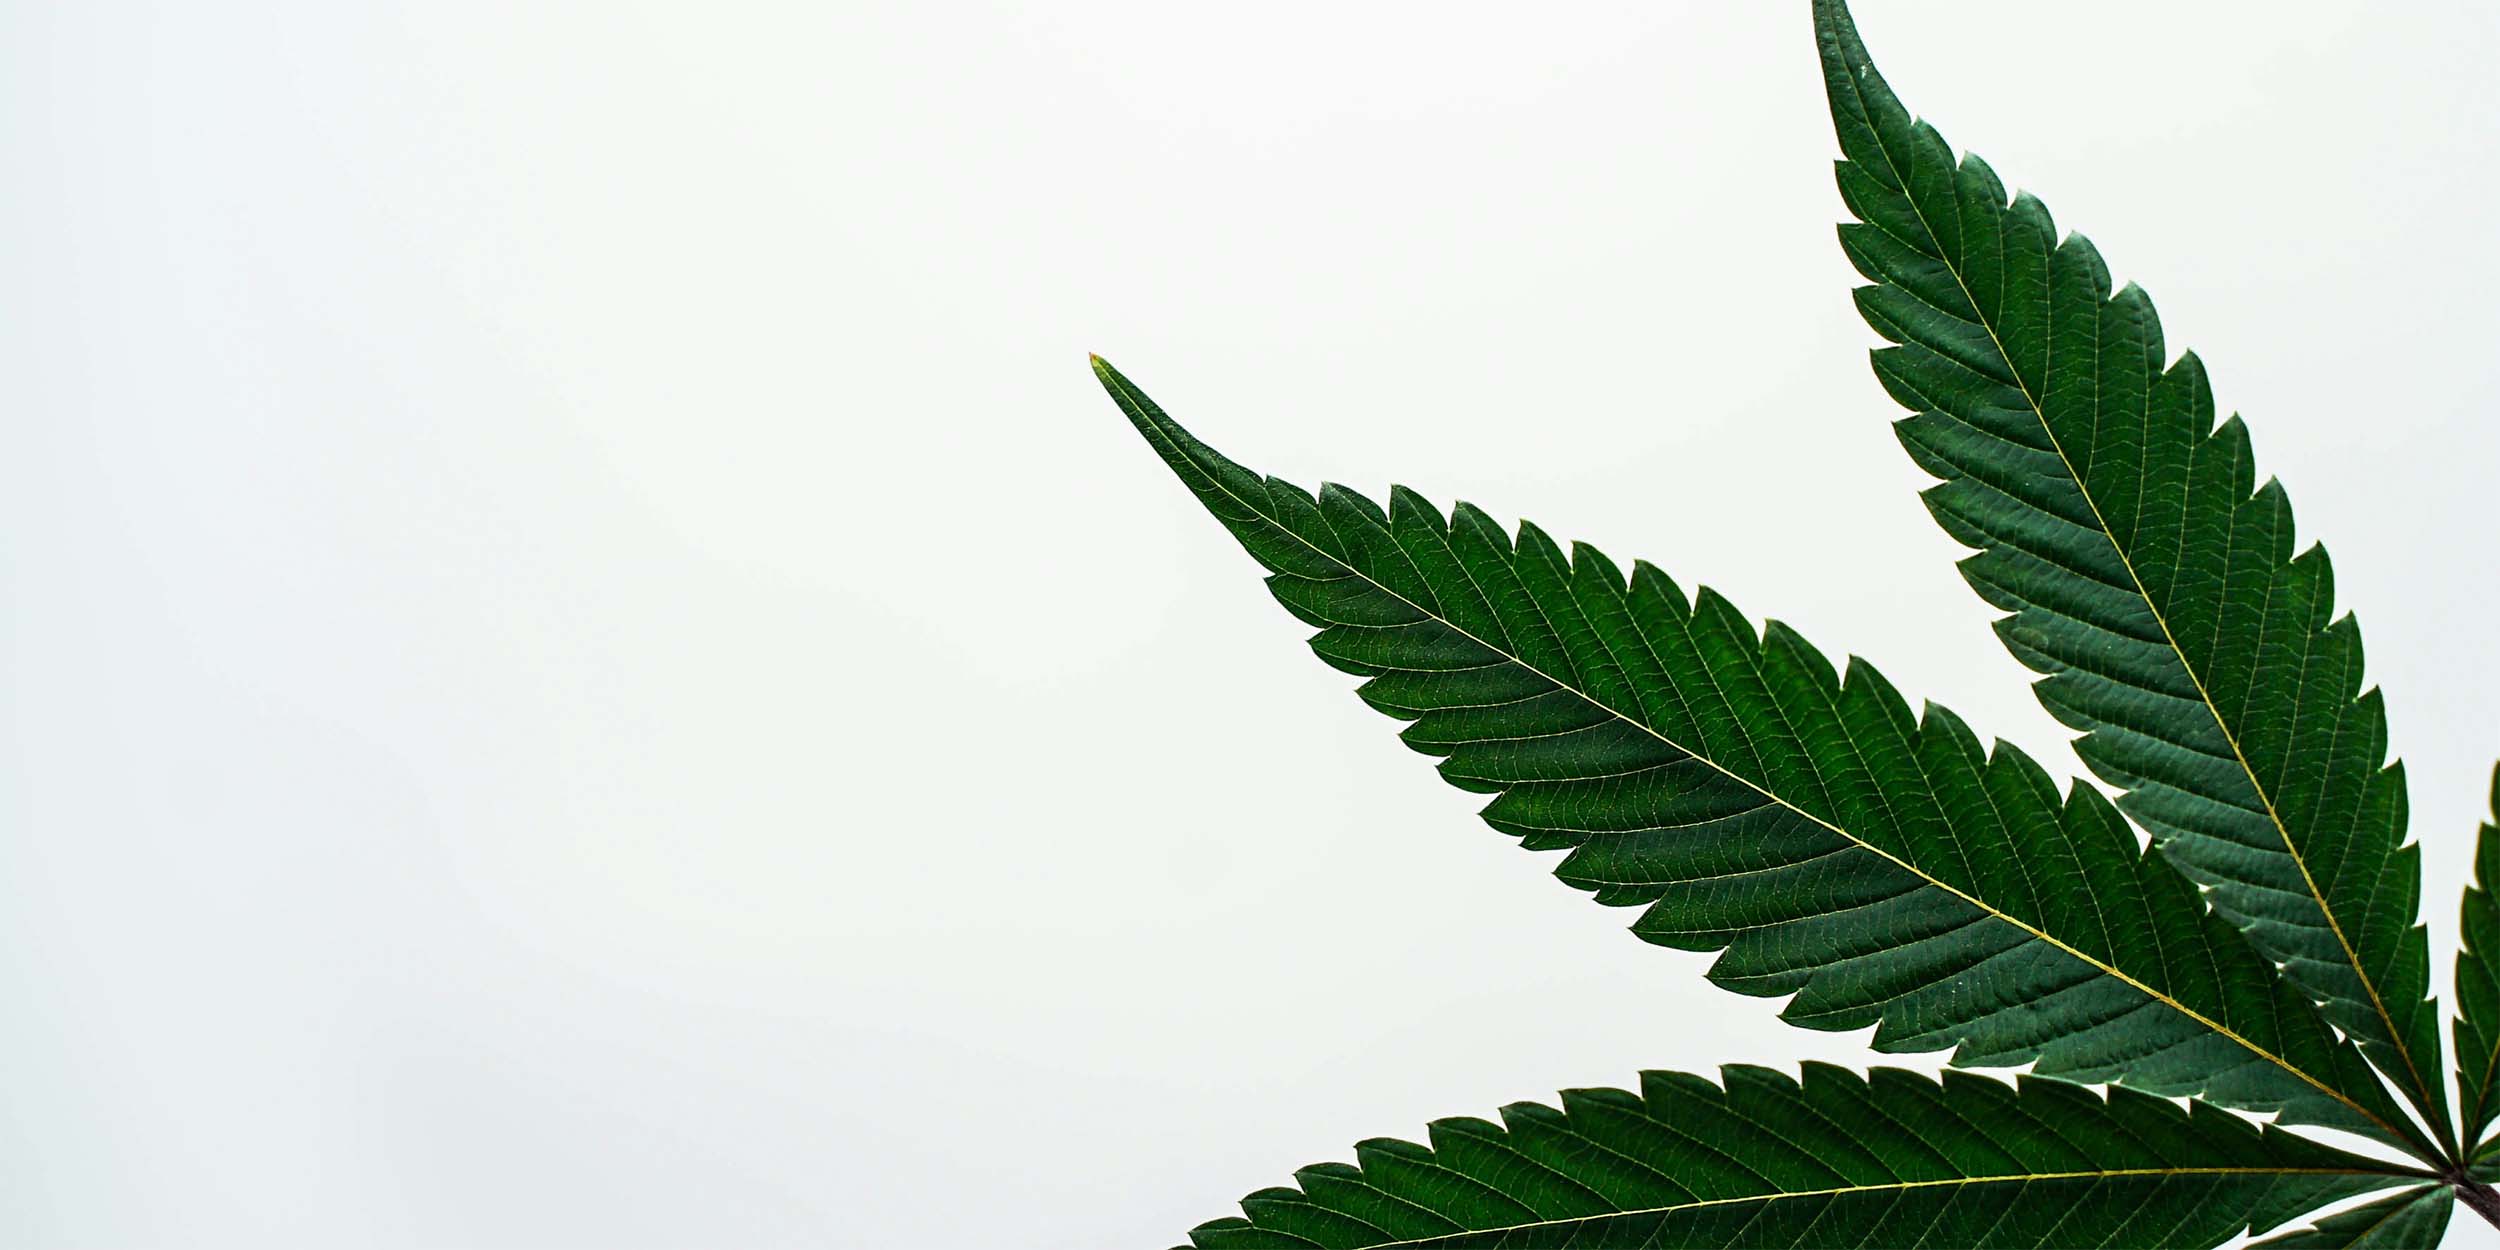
(2412, 1220)
(1830, 1158)
(1726, 789)
(2477, 1026)
(2143, 568)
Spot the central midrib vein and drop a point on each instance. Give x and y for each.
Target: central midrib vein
(1999, 913)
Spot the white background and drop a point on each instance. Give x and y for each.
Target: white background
(585, 663)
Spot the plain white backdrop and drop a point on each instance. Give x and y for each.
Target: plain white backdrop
(585, 664)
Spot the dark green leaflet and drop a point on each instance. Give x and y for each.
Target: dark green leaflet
(2146, 571)
(2412, 1220)
(1887, 1161)
(1882, 868)
(2478, 987)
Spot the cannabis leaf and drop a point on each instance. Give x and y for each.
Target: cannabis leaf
(2478, 990)
(1883, 868)
(2145, 570)
(1876, 866)
(1767, 1160)
(2415, 1217)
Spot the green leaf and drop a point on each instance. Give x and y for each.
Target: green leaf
(2412, 1220)
(1883, 869)
(2146, 572)
(1894, 1159)
(2478, 986)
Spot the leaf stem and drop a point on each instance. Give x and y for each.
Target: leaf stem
(2477, 1195)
